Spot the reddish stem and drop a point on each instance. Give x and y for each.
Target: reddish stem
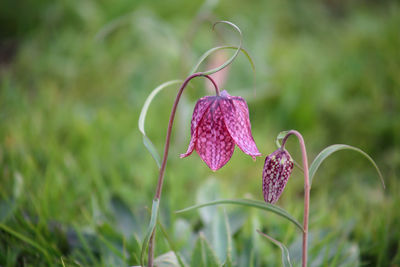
(166, 150)
(306, 191)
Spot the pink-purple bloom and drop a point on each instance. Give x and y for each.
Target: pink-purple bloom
(218, 123)
(277, 169)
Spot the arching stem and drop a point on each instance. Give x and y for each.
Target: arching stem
(306, 191)
(166, 150)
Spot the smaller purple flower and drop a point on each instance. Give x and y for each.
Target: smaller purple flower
(218, 123)
(277, 169)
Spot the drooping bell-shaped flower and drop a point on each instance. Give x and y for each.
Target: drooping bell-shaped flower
(277, 169)
(218, 123)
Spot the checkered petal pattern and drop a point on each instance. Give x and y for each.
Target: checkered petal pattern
(199, 110)
(277, 169)
(218, 123)
(236, 115)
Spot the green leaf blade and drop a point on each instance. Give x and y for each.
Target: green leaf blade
(334, 148)
(285, 251)
(150, 229)
(25, 239)
(203, 254)
(172, 246)
(228, 262)
(249, 203)
(142, 119)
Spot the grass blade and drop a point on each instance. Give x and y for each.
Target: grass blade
(142, 118)
(334, 148)
(85, 245)
(285, 252)
(250, 203)
(150, 229)
(26, 240)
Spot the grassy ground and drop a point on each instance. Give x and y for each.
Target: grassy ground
(76, 181)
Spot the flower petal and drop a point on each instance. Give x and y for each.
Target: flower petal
(214, 144)
(200, 108)
(236, 115)
(190, 149)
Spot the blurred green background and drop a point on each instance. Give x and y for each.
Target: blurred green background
(76, 181)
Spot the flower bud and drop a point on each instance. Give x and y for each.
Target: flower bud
(277, 169)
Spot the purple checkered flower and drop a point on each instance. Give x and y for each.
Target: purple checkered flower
(218, 123)
(277, 169)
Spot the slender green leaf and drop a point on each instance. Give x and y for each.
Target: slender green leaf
(228, 262)
(326, 248)
(150, 229)
(210, 190)
(250, 203)
(218, 235)
(285, 251)
(168, 259)
(279, 137)
(135, 247)
(213, 217)
(26, 240)
(229, 61)
(215, 49)
(171, 244)
(152, 149)
(216, 228)
(198, 256)
(142, 118)
(85, 245)
(334, 148)
(203, 255)
(114, 253)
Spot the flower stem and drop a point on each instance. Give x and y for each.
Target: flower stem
(306, 191)
(166, 150)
